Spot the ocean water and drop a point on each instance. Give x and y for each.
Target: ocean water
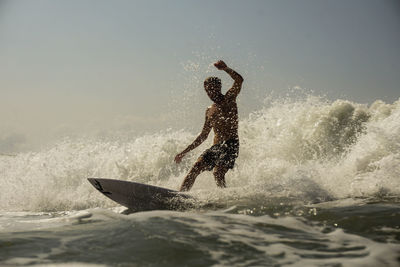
(317, 183)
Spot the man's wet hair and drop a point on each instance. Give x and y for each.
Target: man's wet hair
(214, 82)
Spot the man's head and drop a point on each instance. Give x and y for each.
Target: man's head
(212, 85)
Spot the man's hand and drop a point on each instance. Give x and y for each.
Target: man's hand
(220, 65)
(178, 158)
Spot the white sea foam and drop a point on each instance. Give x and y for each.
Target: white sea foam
(309, 148)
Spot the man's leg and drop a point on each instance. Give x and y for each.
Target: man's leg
(219, 175)
(197, 168)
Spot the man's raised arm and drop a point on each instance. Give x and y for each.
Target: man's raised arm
(238, 79)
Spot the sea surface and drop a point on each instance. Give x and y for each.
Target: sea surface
(317, 183)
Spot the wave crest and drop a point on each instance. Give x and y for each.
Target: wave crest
(311, 148)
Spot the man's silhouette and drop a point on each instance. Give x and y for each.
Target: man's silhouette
(222, 116)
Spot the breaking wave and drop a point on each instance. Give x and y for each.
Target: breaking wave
(310, 149)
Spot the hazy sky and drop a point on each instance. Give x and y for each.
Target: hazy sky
(128, 64)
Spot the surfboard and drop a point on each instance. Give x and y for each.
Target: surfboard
(141, 197)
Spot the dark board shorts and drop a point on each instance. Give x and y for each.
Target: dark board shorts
(223, 154)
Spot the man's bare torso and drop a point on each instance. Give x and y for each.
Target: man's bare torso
(224, 120)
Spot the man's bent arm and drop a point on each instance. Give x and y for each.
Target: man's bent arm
(235, 76)
(238, 79)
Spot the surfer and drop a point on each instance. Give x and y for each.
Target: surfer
(222, 117)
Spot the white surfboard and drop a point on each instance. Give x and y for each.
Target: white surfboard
(141, 197)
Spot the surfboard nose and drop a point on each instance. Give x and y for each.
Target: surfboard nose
(92, 181)
(138, 196)
(97, 184)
